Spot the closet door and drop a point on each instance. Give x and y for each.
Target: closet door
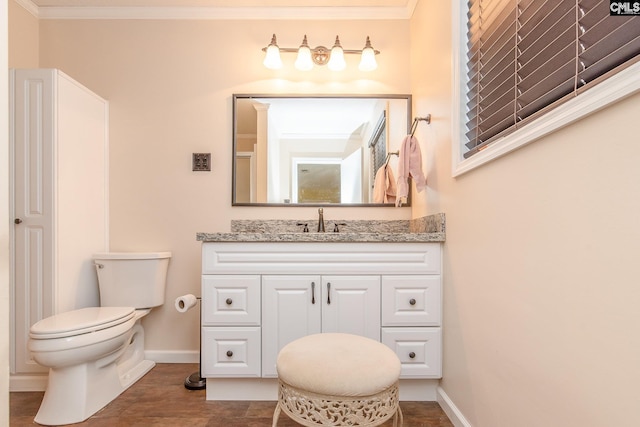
(32, 108)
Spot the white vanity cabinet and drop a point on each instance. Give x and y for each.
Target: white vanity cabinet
(259, 296)
(296, 306)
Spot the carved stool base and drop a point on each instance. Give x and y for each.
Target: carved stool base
(313, 409)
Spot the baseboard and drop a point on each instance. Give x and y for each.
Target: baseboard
(176, 356)
(19, 382)
(38, 382)
(452, 411)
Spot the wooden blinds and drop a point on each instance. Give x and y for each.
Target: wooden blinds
(527, 56)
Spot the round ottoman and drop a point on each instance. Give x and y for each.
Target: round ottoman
(337, 379)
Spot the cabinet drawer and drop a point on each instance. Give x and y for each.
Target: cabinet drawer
(419, 350)
(231, 300)
(411, 300)
(231, 352)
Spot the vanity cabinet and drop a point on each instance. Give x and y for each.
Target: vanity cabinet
(259, 296)
(296, 306)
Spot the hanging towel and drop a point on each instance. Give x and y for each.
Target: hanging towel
(384, 186)
(409, 165)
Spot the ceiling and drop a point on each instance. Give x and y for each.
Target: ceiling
(221, 9)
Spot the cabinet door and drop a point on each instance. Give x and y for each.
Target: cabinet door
(290, 310)
(351, 304)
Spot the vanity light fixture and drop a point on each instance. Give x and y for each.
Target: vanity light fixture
(333, 58)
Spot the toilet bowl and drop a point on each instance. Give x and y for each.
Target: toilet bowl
(95, 353)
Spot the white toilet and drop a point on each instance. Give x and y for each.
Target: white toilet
(94, 354)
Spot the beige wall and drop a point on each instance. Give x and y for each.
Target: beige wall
(23, 37)
(169, 85)
(541, 274)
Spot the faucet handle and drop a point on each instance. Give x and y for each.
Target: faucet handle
(335, 226)
(306, 227)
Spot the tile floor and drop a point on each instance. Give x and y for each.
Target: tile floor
(160, 400)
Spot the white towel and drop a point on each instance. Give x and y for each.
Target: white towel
(409, 165)
(384, 186)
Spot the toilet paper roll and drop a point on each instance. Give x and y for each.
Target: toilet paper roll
(185, 302)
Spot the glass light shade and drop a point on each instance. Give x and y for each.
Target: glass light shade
(336, 61)
(368, 60)
(304, 61)
(272, 58)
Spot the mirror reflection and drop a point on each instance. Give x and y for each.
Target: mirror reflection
(315, 150)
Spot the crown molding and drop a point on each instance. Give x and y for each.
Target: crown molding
(29, 6)
(221, 13)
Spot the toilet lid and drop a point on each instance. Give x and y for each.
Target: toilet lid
(80, 321)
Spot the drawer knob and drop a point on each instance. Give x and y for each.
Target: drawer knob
(412, 301)
(229, 353)
(412, 355)
(229, 301)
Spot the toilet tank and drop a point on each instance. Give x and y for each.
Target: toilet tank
(132, 279)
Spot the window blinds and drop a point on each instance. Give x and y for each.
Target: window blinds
(525, 57)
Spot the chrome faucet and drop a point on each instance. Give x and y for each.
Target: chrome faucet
(320, 221)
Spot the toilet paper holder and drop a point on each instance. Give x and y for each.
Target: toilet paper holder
(195, 380)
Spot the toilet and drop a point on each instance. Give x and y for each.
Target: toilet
(95, 353)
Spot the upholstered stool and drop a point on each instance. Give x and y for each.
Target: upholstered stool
(338, 380)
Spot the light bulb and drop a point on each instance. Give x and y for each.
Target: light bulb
(272, 58)
(368, 58)
(336, 61)
(304, 61)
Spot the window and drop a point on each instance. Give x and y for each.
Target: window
(528, 67)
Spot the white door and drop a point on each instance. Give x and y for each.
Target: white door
(290, 310)
(351, 304)
(33, 212)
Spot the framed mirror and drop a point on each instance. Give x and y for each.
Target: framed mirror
(315, 150)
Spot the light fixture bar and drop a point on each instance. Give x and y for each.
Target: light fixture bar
(320, 55)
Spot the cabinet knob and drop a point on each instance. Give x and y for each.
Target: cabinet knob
(412, 301)
(229, 301)
(412, 355)
(229, 353)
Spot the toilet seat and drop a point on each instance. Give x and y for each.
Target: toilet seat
(82, 321)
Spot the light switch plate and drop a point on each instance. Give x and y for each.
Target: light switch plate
(201, 161)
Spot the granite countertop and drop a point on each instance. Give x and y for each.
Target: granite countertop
(320, 237)
(426, 229)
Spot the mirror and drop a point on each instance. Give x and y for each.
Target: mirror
(315, 150)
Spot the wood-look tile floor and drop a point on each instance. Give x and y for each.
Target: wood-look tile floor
(160, 399)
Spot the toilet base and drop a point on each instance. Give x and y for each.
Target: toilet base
(72, 401)
(74, 393)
